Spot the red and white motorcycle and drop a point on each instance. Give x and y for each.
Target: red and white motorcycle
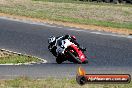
(69, 51)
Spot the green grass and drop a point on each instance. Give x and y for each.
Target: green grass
(24, 82)
(15, 59)
(94, 22)
(108, 15)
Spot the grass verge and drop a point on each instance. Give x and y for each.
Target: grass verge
(24, 82)
(9, 58)
(15, 59)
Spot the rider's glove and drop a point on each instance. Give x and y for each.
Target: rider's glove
(62, 46)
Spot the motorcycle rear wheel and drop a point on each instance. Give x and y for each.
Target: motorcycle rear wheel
(58, 60)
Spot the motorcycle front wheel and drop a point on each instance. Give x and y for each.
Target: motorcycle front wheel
(75, 59)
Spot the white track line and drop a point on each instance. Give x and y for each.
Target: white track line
(99, 33)
(30, 63)
(50, 25)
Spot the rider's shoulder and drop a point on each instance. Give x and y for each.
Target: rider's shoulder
(59, 37)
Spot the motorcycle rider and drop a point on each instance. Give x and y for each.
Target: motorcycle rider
(52, 43)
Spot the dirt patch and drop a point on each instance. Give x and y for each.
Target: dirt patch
(76, 25)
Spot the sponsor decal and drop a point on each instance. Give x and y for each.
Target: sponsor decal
(83, 78)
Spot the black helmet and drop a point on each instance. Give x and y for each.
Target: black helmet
(67, 36)
(51, 39)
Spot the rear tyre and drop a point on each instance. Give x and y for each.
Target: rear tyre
(58, 60)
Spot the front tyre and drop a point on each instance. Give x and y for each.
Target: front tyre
(76, 59)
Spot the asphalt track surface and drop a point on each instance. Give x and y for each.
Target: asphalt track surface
(106, 52)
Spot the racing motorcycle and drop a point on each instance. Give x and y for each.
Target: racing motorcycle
(69, 51)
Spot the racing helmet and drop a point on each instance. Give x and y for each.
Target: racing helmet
(67, 36)
(51, 39)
